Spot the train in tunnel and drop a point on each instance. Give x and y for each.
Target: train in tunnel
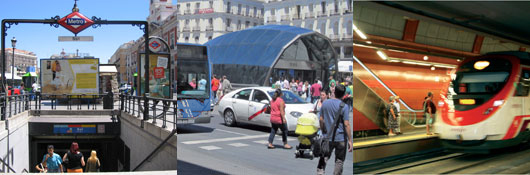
(487, 105)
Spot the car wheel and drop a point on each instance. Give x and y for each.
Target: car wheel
(230, 119)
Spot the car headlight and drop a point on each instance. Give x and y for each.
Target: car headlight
(295, 114)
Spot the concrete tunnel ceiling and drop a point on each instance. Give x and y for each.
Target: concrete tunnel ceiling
(506, 20)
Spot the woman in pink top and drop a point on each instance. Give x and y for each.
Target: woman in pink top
(193, 84)
(278, 119)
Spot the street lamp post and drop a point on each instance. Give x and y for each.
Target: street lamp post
(14, 44)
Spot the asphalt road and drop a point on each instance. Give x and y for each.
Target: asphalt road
(218, 149)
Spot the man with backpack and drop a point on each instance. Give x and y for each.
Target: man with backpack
(331, 109)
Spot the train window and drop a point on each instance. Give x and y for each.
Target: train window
(523, 87)
(481, 82)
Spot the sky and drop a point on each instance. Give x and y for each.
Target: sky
(42, 39)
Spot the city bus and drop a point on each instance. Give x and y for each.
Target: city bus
(192, 79)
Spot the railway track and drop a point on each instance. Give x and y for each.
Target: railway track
(503, 161)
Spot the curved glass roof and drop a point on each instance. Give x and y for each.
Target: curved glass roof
(256, 50)
(258, 46)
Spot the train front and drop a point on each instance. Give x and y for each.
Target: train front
(479, 108)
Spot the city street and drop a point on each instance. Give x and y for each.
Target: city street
(217, 149)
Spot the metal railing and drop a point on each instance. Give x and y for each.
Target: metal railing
(13, 105)
(141, 107)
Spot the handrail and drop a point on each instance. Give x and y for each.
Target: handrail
(383, 84)
(156, 149)
(5, 164)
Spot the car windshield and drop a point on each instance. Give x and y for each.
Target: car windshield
(289, 97)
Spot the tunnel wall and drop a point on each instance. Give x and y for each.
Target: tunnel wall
(18, 139)
(142, 141)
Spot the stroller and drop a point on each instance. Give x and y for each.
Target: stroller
(307, 127)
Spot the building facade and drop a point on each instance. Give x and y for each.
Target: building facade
(23, 60)
(332, 18)
(199, 21)
(119, 58)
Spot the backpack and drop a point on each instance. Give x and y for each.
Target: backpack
(322, 146)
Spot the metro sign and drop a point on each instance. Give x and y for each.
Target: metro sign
(75, 22)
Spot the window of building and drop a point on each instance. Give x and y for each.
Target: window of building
(247, 24)
(239, 9)
(227, 7)
(188, 6)
(210, 21)
(186, 39)
(255, 24)
(255, 12)
(262, 10)
(273, 12)
(196, 39)
(178, 7)
(336, 6)
(350, 4)
(323, 5)
(211, 4)
(238, 24)
(247, 11)
(228, 21)
(286, 10)
(171, 39)
(323, 29)
(197, 5)
(209, 38)
(187, 22)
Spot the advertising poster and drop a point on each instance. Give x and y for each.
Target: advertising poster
(159, 80)
(69, 76)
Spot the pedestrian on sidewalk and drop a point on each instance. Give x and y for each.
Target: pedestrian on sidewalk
(278, 119)
(215, 86)
(74, 159)
(343, 140)
(227, 86)
(51, 162)
(315, 91)
(93, 163)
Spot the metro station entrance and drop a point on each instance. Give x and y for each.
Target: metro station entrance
(112, 153)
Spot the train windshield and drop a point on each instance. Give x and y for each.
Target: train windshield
(482, 76)
(482, 82)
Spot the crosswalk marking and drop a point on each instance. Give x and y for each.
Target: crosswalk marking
(238, 144)
(210, 147)
(225, 139)
(288, 139)
(261, 141)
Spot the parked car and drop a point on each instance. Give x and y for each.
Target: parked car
(125, 88)
(238, 105)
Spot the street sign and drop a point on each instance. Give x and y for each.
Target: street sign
(76, 38)
(155, 45)
(75, 22)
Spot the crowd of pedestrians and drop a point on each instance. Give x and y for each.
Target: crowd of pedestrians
(72, 161)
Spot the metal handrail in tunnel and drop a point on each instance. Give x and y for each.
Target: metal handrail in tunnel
(384, 85)
(372, 105)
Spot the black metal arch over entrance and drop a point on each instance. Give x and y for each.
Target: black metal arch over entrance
(54, 22)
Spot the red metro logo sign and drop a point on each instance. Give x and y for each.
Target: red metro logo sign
(75, 22)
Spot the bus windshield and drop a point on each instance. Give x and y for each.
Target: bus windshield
(192, 72)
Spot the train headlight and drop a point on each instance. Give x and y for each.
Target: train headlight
(467, 101)
(498, 102)
(479, 65)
